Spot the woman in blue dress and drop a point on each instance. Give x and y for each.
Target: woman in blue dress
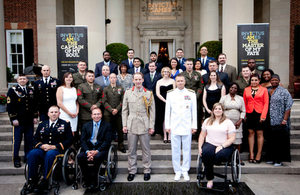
(174, 65)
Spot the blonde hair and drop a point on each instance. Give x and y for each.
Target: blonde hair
(166, 68)
(212, 118)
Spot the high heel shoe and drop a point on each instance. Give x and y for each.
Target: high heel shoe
(256, 161)
(251, 160)
(165, 141)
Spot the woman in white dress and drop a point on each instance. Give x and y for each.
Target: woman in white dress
(66, 96)
(235, 110)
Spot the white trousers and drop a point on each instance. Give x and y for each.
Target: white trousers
(176, 141)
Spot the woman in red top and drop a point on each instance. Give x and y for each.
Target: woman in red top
(256, 101)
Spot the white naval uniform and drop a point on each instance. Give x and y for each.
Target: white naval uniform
(181, 118)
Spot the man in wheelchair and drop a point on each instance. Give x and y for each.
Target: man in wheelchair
(96, 138)
(52, 138)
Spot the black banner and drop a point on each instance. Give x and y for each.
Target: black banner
(253, 42)
(71, 48)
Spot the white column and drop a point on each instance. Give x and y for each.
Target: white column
(280, 39)
(209, 20)
(116, 29)
(2, 49)
(234, 12)
(46, 29)
(92, 14)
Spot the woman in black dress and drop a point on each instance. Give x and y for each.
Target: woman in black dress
(162, 86)
(212, 92)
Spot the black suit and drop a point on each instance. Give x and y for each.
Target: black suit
(127, 63)
(142, 70)
(102, 145)
(159, 66)
(151, 85)
(223, 77)
(112, 67)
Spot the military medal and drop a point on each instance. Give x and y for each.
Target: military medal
(119, 91)
(187, 107)
(187, 97)
(97, 89)
(196, 78)
(53, 84)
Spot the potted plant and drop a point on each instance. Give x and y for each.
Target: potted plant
(3, 100)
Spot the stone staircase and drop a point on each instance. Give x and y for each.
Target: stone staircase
(161, 153)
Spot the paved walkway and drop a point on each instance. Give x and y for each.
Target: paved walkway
(260, 184)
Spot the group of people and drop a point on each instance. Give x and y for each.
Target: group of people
(141, 102)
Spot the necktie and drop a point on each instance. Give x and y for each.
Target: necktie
(46, 81)
(24, 89)
(137, 70)
(130, 64)
(51, 127)
(221, 68)
(106, 81)
(203, 62)
(94, 140)
(151, 75)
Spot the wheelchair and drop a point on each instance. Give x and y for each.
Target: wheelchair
(107, 171)
(63, 166)
(236, 171)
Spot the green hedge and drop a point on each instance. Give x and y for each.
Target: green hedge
(214, 48)
(118, 52)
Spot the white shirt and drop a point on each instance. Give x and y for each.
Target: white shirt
(50, 123)
(204, 60)
(220, 66)
(48, 80)
(139, 69)
(181, 111)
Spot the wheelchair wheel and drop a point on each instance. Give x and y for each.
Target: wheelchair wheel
(200, 171)
(102, 187)
(26, 172)
(68, 166)
(112, 164)
(231, 190)
(236, 168)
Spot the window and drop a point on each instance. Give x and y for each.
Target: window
(15, 50)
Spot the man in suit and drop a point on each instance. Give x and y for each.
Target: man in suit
(151, 78)
(89, 97)
(204, 58)
(222, 75)
(252, 66)
(245, 80)
(138, 116)
(193, 81)
(95, 143)
(223, 67)
(137, 67)
(103, 80)
(45, 92)
(106, 61)
(113, 99)
(52, 138)
(179, 55)
(129, 61)
(153, 58)
(79, 77)
(22, 112)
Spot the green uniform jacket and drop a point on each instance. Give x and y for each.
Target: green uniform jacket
(194, 82)
(255, 71)
(77, 79)
(113, 99)
(87, 98)
(242, 84)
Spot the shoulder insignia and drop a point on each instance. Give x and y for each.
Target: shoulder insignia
(144, 89)
(191, 90)
(133, 88)
(40, 121)
(14, 87)
(8, 100)
(170, 90)
(67, 121)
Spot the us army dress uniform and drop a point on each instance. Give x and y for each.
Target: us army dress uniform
(60, 136)
(87, 97)
(181, 118)
(194, 82)
(22, 107)
(113, 99)
(138, 122)
(45, 95)
(78, 79)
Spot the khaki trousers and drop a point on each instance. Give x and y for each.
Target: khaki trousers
(132, 156)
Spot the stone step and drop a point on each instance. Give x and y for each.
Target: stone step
(165, 167)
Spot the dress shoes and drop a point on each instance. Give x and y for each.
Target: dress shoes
(43, 185)
(86, 185)
(130, 177)
(32, 186)
(122, 150)
(147, 176)
(17, 164)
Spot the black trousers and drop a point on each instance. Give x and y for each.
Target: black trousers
(116, 123)
(83, 163)
(210, 158)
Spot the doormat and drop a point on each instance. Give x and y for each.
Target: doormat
(165, 188)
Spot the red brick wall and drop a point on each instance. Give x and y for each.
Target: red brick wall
(22, 12)
(294, 20)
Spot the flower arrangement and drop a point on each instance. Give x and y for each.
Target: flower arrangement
(3, 99)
